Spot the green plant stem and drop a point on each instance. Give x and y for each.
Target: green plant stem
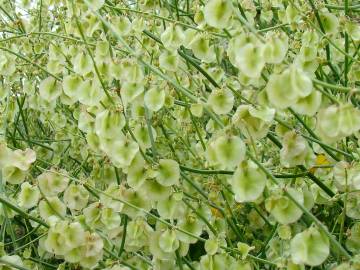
(151, 135)
(122, 245)
(263, 30)
(339, 88)
(21, 212)
(353, 7)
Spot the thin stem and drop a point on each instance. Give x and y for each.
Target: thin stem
(122, 245)
(22, 213)
(339, 88)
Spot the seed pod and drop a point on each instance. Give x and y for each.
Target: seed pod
(217, 13)
(50, 89)
(248, 182)
(309, 247)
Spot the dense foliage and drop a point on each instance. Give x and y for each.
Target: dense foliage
(179, 134)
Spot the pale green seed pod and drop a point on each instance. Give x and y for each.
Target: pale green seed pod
(168, 172)
(310, 38)
(197, 109)
(244, 249)
(229, 151)
(122, 25)
(154, 98)
(170, 208)
(248, 182)
(74, 235)
(172, 37)
(85, 121)
(156, 250)
(240, 265)
(291, 14)
(352, 206)
(353, 29)
(221, 101)
(123, 152)
(76, 197)
(130, 91)
(137, 174)
(307, 53)
(51, 183)
(201, 48)
(141, 133)
(22, 159)
(249, 59)
(92, 214)
(285, 89)
(283, 209)
(138, 233)
(336, 122)
(136, 199)
(276, 48)
(93, 250)
(254, 122)
(155, 191)
(330, 22)
(169, 61)
(54, 66)
(215, 262)
(109, 197)
(353, 241)
(52, 207)
(211, 246)
(5, 155)
(110, 218)
(109, 124)
(82, 64)
(75, 255)
(308, 105)
(7, 64)
(295, 150)
(28, 196)
(50, 89)
(191, 224)
(168, 241)
(310, 247)
(217, 13)
(71, 85)
(13, 175)
(91, 93)
(138, 24)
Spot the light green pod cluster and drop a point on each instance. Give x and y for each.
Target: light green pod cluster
(337, 122)
(179, 135)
